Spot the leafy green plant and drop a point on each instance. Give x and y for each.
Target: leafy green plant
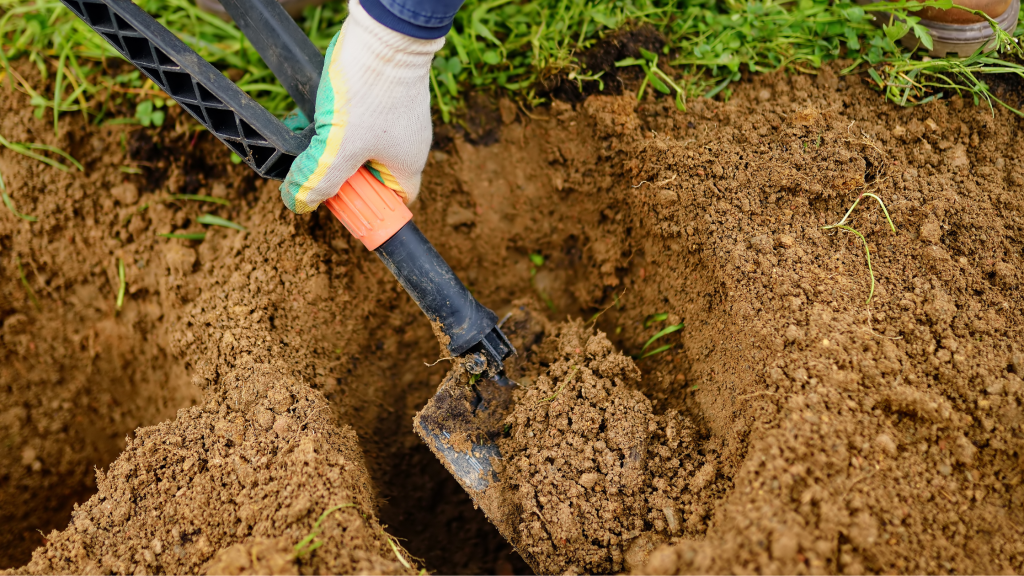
(657, 79)
(842, 225)
(537, 260)
(517, 48)
(148, 112)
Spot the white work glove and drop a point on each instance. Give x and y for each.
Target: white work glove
(373, 104)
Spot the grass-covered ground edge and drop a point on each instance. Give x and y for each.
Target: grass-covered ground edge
(519, 50)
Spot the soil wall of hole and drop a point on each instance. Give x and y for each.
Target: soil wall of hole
(831, 435)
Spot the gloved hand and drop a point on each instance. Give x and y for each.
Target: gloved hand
(373, 104)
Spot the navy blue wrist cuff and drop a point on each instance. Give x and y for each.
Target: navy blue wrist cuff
(381, 14)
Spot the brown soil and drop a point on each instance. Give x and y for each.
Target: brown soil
(591, 477)
(817, 433)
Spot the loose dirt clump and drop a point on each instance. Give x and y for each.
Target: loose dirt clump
(881, 436)
(274, 556)
(591, 477)
(262, 470)
(76, 375)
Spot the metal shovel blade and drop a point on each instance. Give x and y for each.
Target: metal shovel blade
(461, 425)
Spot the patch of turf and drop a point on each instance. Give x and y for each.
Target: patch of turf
(513, 48)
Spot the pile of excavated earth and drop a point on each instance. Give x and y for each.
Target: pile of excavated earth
(249, 408)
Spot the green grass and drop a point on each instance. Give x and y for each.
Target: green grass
(659, 335)
(211, 220)
(659, 317)
(513, 48)
(310, 543)
(24, 283)
(186, 236)
(401, 558)
(10, 204)
(28, 149)
(122, 285)
(842, 225)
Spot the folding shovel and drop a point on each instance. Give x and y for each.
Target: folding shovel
(461, 422)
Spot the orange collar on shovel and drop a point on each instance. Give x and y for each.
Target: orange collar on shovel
(459, 424)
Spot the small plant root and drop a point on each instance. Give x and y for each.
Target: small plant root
(842, 225)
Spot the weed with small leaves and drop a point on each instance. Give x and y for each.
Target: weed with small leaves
(149, 113)
(518, 48)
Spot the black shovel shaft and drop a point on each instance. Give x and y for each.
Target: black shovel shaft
(262, 141)
(285, 48)
(470, 326)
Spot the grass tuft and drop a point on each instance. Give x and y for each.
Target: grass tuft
(309, 544)
(10, 204)
(211, 220)
(26, 149)
(520, 49)
(661, 333)
(842, 225)
(185, 236)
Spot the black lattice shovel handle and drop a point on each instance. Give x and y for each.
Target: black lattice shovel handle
(259, 137)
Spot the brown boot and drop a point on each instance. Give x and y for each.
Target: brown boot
(959, 33)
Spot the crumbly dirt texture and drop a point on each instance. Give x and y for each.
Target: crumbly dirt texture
(186, 496)
(591, 477)
(818, 433)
